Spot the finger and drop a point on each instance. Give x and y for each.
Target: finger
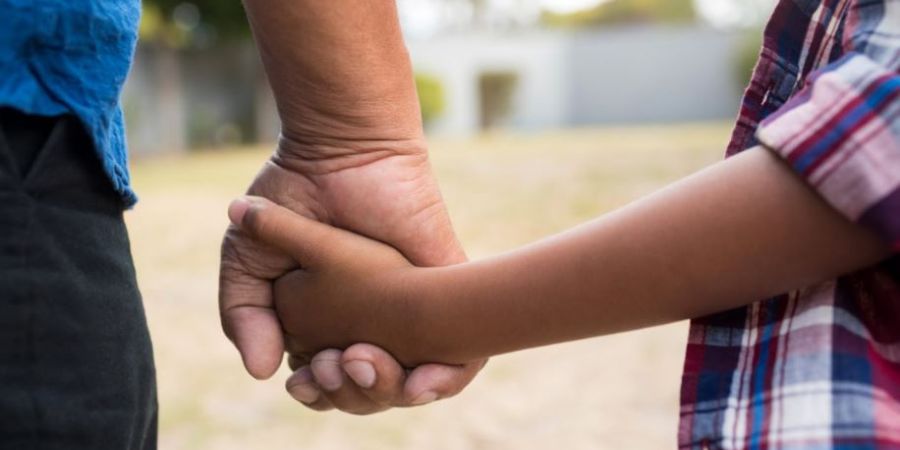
(302, 387)
(431, 382)
(285, 230)
(249, 320)
(326, 369)
(375, 372)
(340, 391)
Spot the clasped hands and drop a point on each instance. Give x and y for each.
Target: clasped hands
(269, 304)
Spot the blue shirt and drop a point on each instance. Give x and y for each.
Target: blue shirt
(72, 57)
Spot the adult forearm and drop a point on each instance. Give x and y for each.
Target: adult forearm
(742, 230)
(340, 73)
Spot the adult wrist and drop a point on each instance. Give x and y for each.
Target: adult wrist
(319, 154)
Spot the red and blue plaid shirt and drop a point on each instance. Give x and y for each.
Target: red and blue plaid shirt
(817, 368)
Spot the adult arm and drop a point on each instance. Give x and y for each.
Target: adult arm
(351, 154)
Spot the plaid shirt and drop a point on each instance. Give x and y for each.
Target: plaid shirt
(819, 367)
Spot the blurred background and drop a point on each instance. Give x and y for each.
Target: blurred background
(541, 114)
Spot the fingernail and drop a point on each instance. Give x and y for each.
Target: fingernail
(329, 378)
(237, 209)
(361, 372)
(424, 398)
(304, 393)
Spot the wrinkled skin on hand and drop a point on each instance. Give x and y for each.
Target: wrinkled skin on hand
(390, 196)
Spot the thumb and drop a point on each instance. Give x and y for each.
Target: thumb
(246, 305)
(285, 230)
(250, 321)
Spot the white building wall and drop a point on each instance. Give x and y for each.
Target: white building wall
(652, 74)
(614, 75)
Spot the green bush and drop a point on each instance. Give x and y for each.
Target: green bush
(431, 97)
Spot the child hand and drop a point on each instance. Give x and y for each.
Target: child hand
(350, 289)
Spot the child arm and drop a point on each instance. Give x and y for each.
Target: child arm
(744, 229)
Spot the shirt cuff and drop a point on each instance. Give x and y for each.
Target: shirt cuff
(841, 133)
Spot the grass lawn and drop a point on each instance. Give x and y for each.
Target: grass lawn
(502, 190)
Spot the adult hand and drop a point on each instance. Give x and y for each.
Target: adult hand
(352, 155)
(388, 195)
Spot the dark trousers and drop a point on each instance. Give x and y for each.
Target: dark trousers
(76, 365)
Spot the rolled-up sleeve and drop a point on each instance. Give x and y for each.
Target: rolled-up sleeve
(841, 132)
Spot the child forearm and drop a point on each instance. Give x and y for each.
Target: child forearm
(742, 230)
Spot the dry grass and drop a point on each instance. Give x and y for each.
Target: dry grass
(617, 392)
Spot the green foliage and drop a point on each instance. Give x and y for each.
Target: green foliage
(626, 11)
(431, 97)
(745, 56)
(180, 23)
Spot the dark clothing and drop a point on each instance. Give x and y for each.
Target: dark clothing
(76, 364)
